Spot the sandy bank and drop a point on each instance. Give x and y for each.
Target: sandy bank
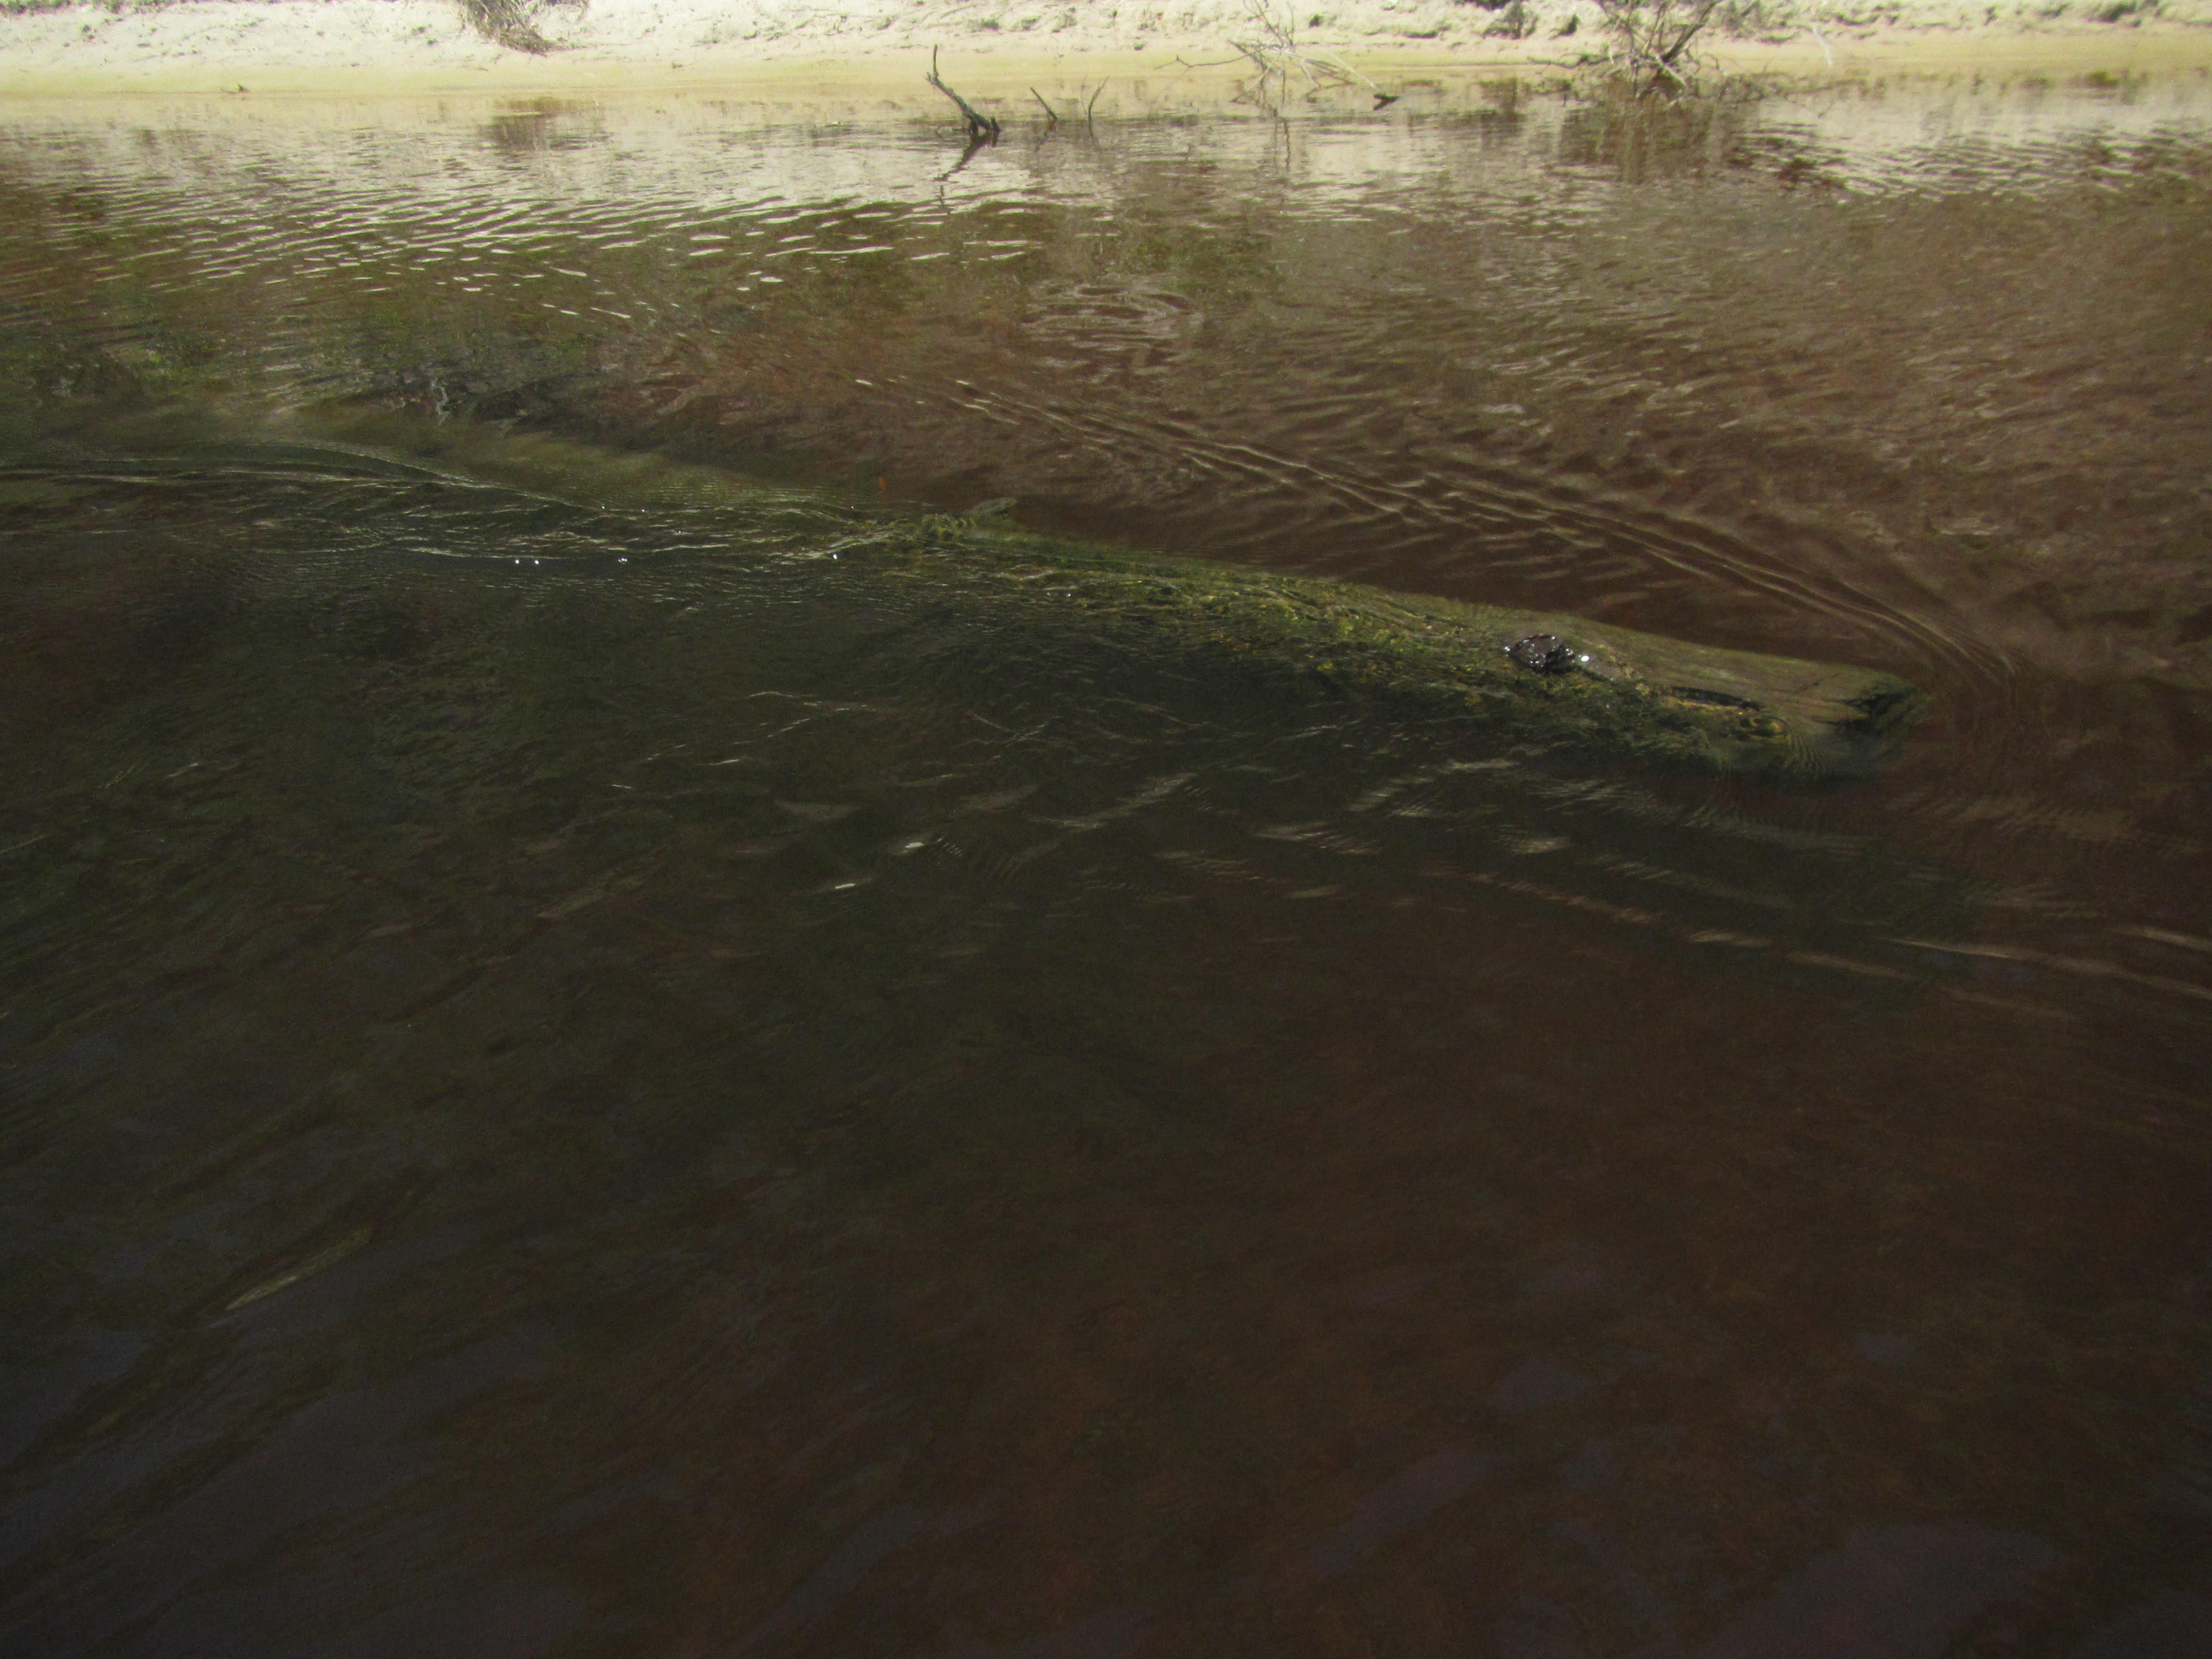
(998, 47)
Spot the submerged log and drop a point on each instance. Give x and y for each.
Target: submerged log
(1549, 679)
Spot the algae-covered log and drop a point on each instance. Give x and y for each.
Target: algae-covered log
(1555, 678)
(1551, 679)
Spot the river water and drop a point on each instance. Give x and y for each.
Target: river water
(579, 1082)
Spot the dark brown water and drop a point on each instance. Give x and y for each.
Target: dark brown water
(578, 1081)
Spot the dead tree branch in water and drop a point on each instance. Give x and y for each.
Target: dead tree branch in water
(506, 24)
(1649, 40)
(1279, 53)
(981, 129)
(1051, 118)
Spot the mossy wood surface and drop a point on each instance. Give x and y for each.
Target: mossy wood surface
(1664, 700)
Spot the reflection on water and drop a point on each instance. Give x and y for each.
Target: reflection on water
(580, 1079)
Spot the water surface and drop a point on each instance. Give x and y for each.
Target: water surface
(580, 1080)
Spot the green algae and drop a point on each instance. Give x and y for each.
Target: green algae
(1660, 700)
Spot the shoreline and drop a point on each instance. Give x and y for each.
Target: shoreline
(351, 49)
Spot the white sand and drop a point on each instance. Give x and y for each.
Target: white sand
(352, 47)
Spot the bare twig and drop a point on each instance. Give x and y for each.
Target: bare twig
(981, 128)
(1050, 119)
(1648, 39)
(1279, 54)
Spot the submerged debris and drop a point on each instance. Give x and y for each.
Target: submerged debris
(1593, 688)
(1612, 690)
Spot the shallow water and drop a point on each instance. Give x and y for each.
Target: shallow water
(582, 1080)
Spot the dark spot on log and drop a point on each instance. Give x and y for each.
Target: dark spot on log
(1546, 654)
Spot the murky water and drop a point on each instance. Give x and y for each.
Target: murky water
(581, 1078)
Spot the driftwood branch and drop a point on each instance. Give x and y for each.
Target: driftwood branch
(981, 129)
(1050, 119)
